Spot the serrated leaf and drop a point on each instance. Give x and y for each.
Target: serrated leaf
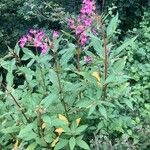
(72, 143)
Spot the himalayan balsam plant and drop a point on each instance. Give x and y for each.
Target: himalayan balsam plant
(58, 94)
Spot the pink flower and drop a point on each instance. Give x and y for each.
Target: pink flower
(29, 37)
(44, 48)
(71, 23)
(88, 59)
(37, 42)
(88, 7)
(32, 31)
(88, 22)
(83, 39)
(40, 35)
(79, 29)
(22, 41)
(55, 34)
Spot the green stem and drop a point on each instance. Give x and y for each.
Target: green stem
(60, 87)
(105, 64)
(78, 60)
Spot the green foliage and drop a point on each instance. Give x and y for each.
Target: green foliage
(57, 106)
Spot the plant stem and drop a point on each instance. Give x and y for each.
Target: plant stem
(15, 100)
(78, 60)
(105, 59)
(42, 76)
(78, 65)
(60, 87)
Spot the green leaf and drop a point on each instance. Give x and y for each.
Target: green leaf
(92, 108)
(27, 133)
(72, 143)
(51, 98)
(124, 45)
(9, 79)
(103, 111)
(97, 44)
(112, 26)
(30, 63)
(28, 52)
(82, 144)
(67, 54)
(91, 79)
(32, 146)
(128, 102)
(12, 129)
(81, 129)
(119, 65)
(17, 49)
(84, 104)
(61, 144)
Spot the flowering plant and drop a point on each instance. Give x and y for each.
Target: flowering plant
(60, 96)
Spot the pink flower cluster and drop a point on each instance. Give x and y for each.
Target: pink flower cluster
(37, 38)
(84, 21)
